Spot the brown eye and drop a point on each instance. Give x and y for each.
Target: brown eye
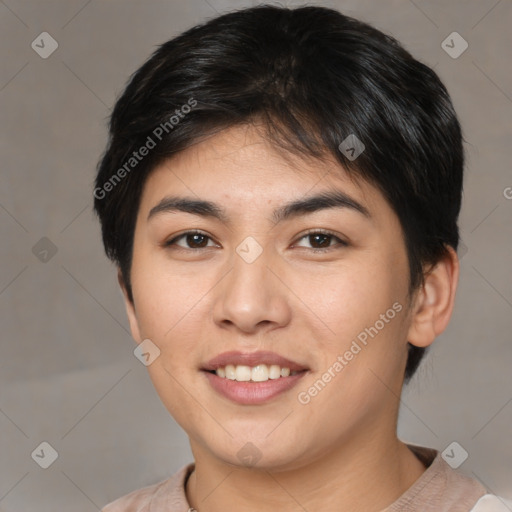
(193, 240)
(321, 240)
(196, 240)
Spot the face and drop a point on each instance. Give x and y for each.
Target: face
(322, 284)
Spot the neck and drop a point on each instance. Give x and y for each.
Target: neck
(357, 476)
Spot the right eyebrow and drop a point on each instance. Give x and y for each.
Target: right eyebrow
(171, 204)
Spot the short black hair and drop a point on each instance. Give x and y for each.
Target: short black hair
(314, 77)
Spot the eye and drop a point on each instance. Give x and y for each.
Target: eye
(323, 239)
(194, 240)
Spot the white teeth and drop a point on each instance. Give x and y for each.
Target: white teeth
(274, 371)
(230, 372)
(243, 373)
(259, 373)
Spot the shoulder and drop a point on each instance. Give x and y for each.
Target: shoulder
(492, 503)
(153, 497)
(440, 488)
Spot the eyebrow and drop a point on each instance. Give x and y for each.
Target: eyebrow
(203, 208)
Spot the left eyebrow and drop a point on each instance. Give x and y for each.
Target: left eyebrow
(325, 200)
(311, 204)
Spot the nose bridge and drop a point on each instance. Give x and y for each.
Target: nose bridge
(250, 294)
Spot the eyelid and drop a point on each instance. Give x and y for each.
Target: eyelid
(326, 232)
(174, 239)
(343, 243)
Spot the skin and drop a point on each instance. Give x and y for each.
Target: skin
(197, 303)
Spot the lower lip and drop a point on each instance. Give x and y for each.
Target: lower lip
(251, 393)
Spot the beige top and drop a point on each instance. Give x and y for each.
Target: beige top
(439, 489)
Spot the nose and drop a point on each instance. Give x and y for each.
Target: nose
(252, 297)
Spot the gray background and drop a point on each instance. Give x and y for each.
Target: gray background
(68, 375)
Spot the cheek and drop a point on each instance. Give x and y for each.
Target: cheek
(167, 296)
(170, 312)
(363, 305)
(352, 297)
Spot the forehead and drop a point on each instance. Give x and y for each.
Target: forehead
(241, 167)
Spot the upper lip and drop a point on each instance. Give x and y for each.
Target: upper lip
(252, 359)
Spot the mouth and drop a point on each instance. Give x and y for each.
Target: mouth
(252, 378)
(258, 373)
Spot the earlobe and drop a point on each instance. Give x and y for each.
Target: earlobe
(433, 305)
(130, 309)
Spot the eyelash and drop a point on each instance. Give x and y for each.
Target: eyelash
(341, 243)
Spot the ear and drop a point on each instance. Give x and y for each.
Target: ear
(130, 309)
(433, 304)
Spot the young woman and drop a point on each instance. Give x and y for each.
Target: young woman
(280, 194)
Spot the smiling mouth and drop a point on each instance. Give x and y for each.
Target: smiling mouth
(267, 385)
(258, 373)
